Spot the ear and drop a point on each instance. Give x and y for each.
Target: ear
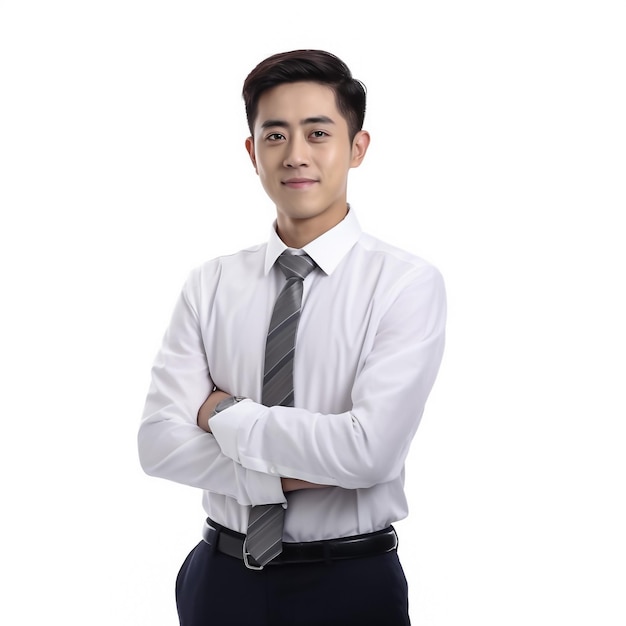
(360, 143)
(251, 153)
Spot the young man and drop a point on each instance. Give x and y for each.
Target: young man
(302, 431)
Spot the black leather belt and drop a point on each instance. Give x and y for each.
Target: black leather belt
(232, 543)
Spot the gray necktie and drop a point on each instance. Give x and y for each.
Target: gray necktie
(265, 523)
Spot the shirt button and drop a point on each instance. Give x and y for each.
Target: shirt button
(272, 470)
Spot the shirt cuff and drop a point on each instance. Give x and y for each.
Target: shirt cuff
(263, 489)
(230, 428)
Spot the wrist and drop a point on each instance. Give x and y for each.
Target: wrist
(208, 407)
(225, 403)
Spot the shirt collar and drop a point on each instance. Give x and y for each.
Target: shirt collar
(327, 250)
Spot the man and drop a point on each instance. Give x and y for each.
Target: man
(307, 433)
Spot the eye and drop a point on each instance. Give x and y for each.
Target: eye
(275, 137)
(319, 134)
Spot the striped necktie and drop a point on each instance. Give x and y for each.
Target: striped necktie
(265, 523)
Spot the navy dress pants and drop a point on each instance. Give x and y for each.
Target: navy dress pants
(214, 589)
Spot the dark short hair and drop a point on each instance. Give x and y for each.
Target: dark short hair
(307, 65)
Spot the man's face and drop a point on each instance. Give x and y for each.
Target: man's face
(302, 152)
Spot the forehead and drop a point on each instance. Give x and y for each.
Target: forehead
(293, 102)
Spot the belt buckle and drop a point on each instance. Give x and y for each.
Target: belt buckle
(246, 560)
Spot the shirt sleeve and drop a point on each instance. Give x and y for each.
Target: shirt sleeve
(368, 444)
(171, 444)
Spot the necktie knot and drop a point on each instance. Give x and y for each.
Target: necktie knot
(296, 265)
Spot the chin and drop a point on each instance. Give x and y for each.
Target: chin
(301, 213)
(300, 210)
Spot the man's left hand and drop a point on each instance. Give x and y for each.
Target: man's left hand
(206, 410)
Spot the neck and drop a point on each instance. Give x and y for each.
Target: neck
(297, 233)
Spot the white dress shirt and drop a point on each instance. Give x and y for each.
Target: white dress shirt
(369, 345)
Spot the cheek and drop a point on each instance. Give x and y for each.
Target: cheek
(261, 170)
(268, 182)
(263, 175)
(265, 165)
(336, 158)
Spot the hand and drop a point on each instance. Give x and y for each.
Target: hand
(293, 484)
(206, 410)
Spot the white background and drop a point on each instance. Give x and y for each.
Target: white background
(498, 154)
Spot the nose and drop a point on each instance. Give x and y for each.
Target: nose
(297, 154)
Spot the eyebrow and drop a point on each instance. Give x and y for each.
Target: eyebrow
(319, 119)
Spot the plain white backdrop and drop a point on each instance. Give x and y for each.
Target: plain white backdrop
(498, 154)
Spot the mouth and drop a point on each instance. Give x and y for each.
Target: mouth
(299, 183)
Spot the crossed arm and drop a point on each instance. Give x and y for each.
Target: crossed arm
(204, 421)
(243, 458)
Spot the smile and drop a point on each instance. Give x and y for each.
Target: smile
(299, 183)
